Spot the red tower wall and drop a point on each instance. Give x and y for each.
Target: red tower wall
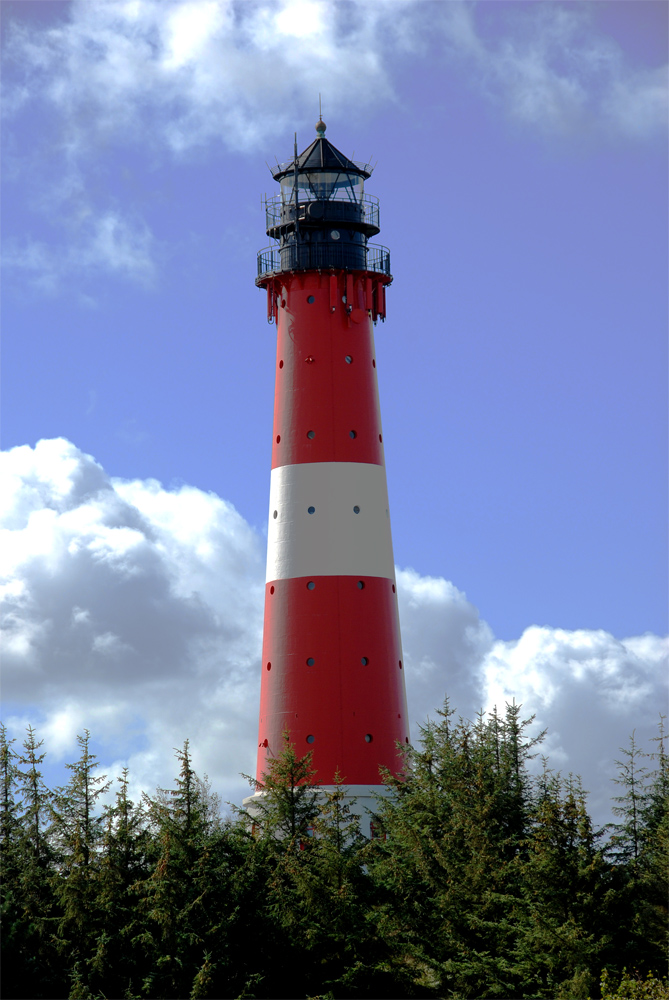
(332, 670)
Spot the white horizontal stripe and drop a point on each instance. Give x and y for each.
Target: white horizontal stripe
(334, 540)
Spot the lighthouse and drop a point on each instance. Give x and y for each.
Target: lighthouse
(332, 665)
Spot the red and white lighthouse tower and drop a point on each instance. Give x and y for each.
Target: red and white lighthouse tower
(332, 670)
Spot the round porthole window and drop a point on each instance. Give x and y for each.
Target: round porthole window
(352, 434)
(368, 737)
(310, 661)
(361, 585)
(269, 665)
(310, 299)
(356, 509)
(310, 739)
(311, 585)
(275, 514)
(311, 434)
(348, 359)
(335, 234)
(311, 510)
(364, 661)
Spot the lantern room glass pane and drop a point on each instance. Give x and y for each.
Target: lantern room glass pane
(323, 185)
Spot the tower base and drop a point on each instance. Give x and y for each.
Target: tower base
(361, 799)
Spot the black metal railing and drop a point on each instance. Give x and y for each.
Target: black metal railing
(302, 257)
(277, 212)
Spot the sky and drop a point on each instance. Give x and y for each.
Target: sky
(520, 153)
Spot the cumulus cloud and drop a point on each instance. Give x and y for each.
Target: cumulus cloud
(129, 609)
(135, 611)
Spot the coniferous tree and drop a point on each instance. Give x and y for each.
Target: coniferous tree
(289, 802)
(484, 882)
(562, 937)
(453, 829)
(78, 831)
(9, 807)
(627, 841)
(29, 942)
(182, 823)
(656, 835)
(117, 961)
(10, 859)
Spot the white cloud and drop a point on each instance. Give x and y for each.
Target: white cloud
(135, 611)
(125, 601)
(188, 72)
(175, 77)
(106, 243)
(550, 69)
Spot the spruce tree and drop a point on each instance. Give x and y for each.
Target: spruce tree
(183, 821)
(78, 831)
(117, 963)
(562, 936)
(31, 966)
(289, 802)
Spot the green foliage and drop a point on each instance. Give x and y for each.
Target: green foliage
(288, 805)
(634, 988)
(484, 882)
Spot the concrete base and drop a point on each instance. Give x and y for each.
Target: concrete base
(360, 798)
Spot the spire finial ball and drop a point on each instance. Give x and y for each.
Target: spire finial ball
(320, 127)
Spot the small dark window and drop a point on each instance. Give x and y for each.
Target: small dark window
(406, 739)
(271, 590)
(356, 509)
(400, 664)
(310, 299)
(269, 665)
(353, 434)
(348, 359)
(275, 514)
(311, 585)
(368, 737)
(364, 661)
(310, 661)
(393, 588)
(311, 434)
(310, 739)
(380, 437)
(278, 438)
(311, 510)
(280, 364)
(361, 585)
(373, 363)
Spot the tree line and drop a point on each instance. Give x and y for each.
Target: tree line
(482, 879)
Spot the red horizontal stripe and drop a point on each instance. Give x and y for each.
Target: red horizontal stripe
(338, 700)
(316, 389)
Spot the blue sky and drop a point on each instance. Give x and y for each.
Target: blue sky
(521, 171)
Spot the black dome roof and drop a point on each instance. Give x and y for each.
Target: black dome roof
(322, 155)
